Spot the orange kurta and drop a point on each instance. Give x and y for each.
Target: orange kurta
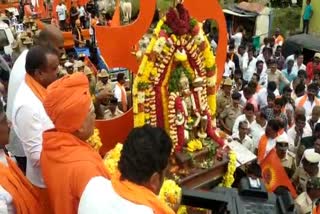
(67, 165)
(25, 198)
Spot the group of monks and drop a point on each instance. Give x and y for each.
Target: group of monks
(53, 119)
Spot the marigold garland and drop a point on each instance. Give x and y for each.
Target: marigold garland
(95, 140)
(228, 178)
(112, 158)
(170, 193)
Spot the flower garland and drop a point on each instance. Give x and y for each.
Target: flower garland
(95, 140)
(228, 178)
(112, 158)
(170, 193)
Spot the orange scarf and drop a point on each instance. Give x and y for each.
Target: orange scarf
(262, 147)
(68, 164)
(36, 88)
(304, 99)
(123, 97)
(24, 196)
(316, 210)
(139, 195)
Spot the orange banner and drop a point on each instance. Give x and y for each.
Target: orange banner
(274, 174)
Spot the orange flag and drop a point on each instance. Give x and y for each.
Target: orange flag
(274, 174)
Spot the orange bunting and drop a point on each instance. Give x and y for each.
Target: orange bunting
(274, 174)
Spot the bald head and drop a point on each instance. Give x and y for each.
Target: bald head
(51, 36)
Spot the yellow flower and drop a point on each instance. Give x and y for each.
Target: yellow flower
(112, 158)
(170, 193)
(194, 145)
(181, 55)
(228, 178)
(151, 44)
(182, 210)
(95, 140)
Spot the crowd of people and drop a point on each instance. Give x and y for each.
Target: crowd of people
(267, 101)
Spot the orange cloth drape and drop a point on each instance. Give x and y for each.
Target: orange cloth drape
(274, 174)
(139, 195)
(68, 164)
(304, 99)
(123, 97)
(36, 88)
(25, 198)
(262, 148)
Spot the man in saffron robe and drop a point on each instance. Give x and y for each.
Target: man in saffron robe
(68, 163)
(29, 118)
(16, 193)
(142, 166)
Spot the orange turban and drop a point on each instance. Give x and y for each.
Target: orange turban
(68, 102)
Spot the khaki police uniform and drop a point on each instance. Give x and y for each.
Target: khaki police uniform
(230, 114)
(108, 114)
(303, 203)
(301, 177)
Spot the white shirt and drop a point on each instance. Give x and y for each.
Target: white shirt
(81, 11)
(291, 57)
(240, 118)
(229, 68)
(307, 132)
(237, 39)
(99, 197)
(243, 59)
(297, 67)
(30, 120)
(117, 93)
(308, 106)
(61, 10)
(263, 79)
(270, 145)
(246, 142)
(256, 133)
(265, 67)
(249, 68)
(6, 200)
(17, 76)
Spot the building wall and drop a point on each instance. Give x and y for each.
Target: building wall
(314, 27)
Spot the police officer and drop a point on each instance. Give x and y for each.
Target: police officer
(286, 157)
(229, 114)
(306, 201)
(224, 95)
(309, 169)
